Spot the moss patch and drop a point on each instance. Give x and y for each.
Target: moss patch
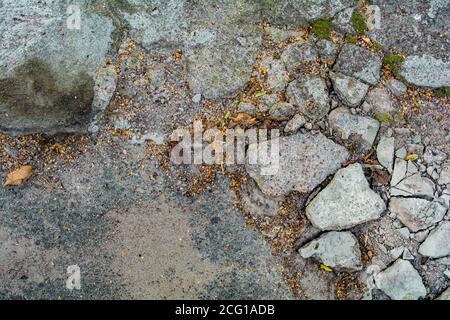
(359, 22)
(322, 29)
(351, 40)
(442, 92)
(393, 62)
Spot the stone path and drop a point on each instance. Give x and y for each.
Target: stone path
(358, 210)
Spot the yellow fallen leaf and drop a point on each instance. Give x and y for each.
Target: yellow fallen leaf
(412, 157)
(367, 41)
(326, 268)
(19, 176)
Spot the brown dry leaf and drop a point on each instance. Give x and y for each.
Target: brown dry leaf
(367, 41)
(243, 119)
(19, 176)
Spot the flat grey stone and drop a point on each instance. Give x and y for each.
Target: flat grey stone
(397, 88)
(343, 21)
(356, 62)
(437, 244)
(282, 109)
(305, 161)
(297, 53)
(360, 131)
(426, 71)
(345, 202)
(379, 102)
(444, 176)
(338, 250)
(417, 214)
(295, 123)
(277, 76)
(401, 282)
(310, 95)
(385, 152)
(350, 90)
(327, 50)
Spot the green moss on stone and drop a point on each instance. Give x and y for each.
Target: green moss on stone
(359, 22)
(442, 92)
(393, 62)
(351, 40)
(322, 29)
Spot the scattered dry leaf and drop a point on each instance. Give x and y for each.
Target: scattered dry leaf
(326, 268)
(243, 119)
(412, 157)
(19, 176)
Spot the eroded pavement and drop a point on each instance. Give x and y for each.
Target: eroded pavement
(358, 210)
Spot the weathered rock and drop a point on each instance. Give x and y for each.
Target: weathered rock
(417, 214)
(278, 34)
(385, 152)
(426, 71)
(277, 76)
(48, 71)
(297, 53)
(350, 90)
(338, 250)
(359, 131)
(444, 176)
(268, 101)
(437, 244)
(401, 282)
(345, 202)
(343, 21)
(295, 123)
(310, 95)
(407, 181)
(305, 161)
(327, 51)
(246, 107)
(379, 102)
(397, 87)
(221, 66)
(356, 62)
(282, 110)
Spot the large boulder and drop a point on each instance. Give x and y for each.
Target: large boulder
(49, 67)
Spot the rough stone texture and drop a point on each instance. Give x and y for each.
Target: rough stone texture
(426, 71)
(360, 131)
(48, 71)
(338, 250)
(350, 90)
(417, 214)
(379, 102)
(345, 202)
(295, 123)
(282, 110)
(310, 95)
(356, 62)
(418, 28)
(401, 282)
(407, 181)
(342, 21)
(444, 176)
(385, 152)
(305, 161)
(327, 50)
(397, 88)
(297, 53)
(437, 244)
(220, 66)
(277, 76)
